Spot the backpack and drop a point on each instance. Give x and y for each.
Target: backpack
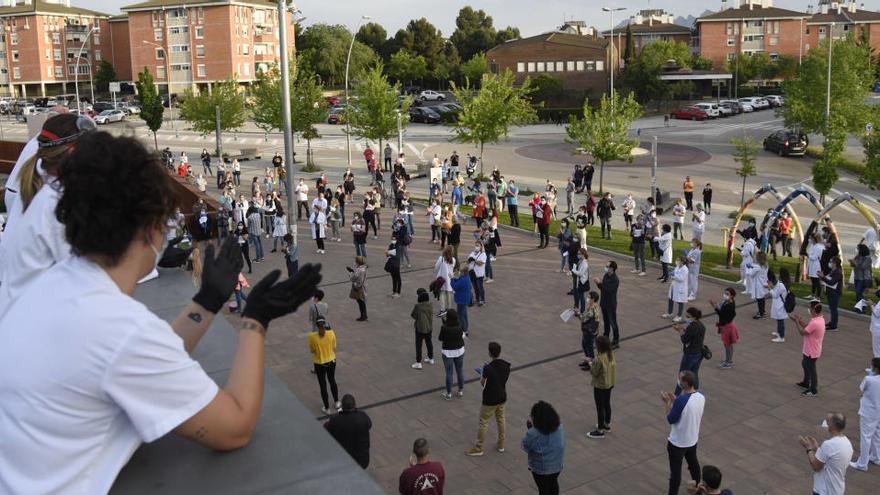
(790, 303)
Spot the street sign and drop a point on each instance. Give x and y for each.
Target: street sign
(114, 87)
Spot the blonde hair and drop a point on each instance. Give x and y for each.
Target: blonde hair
(50, 158)
(197, 265)
(360, 260)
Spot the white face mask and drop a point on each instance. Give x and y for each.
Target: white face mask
(158, 252)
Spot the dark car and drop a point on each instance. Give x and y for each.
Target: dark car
(100, 106)
(424, 115)
(786, 143)
(689, 113)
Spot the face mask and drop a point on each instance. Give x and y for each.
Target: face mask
(688, 321)
(724, 296)
(678, 263)
(606, 269)
(158, 252)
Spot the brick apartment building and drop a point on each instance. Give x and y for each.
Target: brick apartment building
(39, 44)
(580, 61)
(192, 44)
(846, 18)
(648, 26)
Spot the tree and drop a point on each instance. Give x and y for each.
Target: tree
(374, 36)
(546, 88)
(152, 110)
(323, 49)
(641, 74)
(406, 66)
(805, 101)
(474, 68)
(871, 142)
(701, 63)
(105, 75)
(473, 33)
(200, 110)
(506, 34)
(745, 154)
(375, 116)
(448, 65)
(488, 114)
(603, 133)
(630, 50)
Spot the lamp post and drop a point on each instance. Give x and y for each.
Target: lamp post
(76, 69)
(828, 81)
(399, 134)
(285, 114)
(347, 106)
(167, 78)
(611, 11)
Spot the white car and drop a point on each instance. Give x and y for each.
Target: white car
(775, 100)
(755, 102)
(747, 107)
(431, 95)
(711, 109)
(725, 111)
(108, 116)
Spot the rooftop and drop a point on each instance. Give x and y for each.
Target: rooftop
(45, 7)
(753, 12)
(159, 4)
(653, 28)
(555, 38)
(844, 17)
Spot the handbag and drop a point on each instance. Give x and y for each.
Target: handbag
(566, 315)
(706, 352)
(356, 293)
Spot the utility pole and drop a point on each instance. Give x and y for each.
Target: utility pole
(654, 168)
(828, 81)
(217, 131)
(611, 11)
(285, 115)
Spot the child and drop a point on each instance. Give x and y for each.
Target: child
(291, 255)
(726, 311)
(239, 292)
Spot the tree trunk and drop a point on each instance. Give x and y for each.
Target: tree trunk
(742, 196)
(481, 160)
(601, 170)
(293, 146)
(155, 141)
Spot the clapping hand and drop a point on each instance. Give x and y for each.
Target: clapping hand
(219, 275)
(808, 442)
(667, 397)
(269, 300)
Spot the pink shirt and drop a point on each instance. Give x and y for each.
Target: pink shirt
(814, 333)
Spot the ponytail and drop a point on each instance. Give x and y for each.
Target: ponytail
(29, 182)
(55, 138)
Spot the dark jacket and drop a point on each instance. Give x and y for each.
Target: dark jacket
(423, 315)
(352, 430)
(608, 288)
(454, 236)
(726, 312)
(606, 206)
(451, 337)
(692, 338)
(496, 374)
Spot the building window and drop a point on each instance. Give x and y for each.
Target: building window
(179, 67)
(807, 47)
(540, 67)
(96, 39)
(731, 41)
(200, 51)
(579, 65)
(200, 70)
(81, 69)
(600, 65)
(58, 72)
(160, 53)
(731, 56)
(549, 66)
(560, 66)
(15, 55)
(729, 28)
(530, 67)
(56, 38)
(16, 73)
(157, 35)
(774, 56)
(97, 55)
(244, 30)
(520, 67)
(179, 48)
(200, 32)
(247, 69)
(177, 13)
(774, 40)
(13, 38)
(201, 15)
(569, 66)
(48, 71)
(48, 54)
(160, 72)
(590, 65)
(56, 53)
(246, 49)
(821, 29)
(178, 30)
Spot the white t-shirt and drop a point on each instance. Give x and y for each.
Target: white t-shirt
(836, 453)
(302, 192)
(12, 195)
(82, 385)
(698, 223)
(869, 405)
(678, 212)
(31, 246)
(479, 270)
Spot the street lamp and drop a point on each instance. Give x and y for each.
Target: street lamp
(399, 133)
(611, 11)
(167, 77)
(94, 29)
(347, 106)
(285, 109)
(828, 82)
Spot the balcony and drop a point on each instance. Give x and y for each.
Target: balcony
(263, 31)
(748, 46)
(77, 28)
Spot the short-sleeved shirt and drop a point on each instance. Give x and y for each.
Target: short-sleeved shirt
(835, 453)
(82, 385)
(814, 333)
(422, 479)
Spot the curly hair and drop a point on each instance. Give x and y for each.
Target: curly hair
(112, 188)
(545, 418)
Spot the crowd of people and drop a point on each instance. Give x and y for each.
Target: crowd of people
(66, 228)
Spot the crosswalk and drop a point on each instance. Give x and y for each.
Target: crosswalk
(721, 127)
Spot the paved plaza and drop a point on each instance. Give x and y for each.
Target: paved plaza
(754, 412)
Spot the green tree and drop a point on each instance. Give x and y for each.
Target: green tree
(474, 68)
(105, 75)
(630, 50)
(546, 89)
(200, 110)
(375, 116)
(745, 154)
(407, 67)
(488, 114)
(374, 36)
(151, 104)
(871, 142)
(805, 101)
(323, 50)
(701, 63)
(640, 75)
(506, 34)
(448, 65)
(474, 32)
(603, 133)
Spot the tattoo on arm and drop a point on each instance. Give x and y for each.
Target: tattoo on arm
(253, 327)
(200, 433)
(195, 316)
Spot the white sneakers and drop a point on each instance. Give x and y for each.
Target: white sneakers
(429, 361)
(634, 271)
(666, 316)
(678, 319)
(642, 274)
(778, 340)
(418, 366)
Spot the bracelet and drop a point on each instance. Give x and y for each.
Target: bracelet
(253, 326)
(810, 450)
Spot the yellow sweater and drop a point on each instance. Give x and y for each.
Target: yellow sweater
(323, 349)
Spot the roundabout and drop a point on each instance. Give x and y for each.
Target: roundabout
(669, 154)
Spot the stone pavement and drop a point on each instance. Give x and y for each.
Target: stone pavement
(753, 414)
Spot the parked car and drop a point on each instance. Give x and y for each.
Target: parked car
(108, 116)
(431, 95)
(734, 106)
(131, 108)
(101, 106)
(775, 100)
(88, 112)
(424, 115)
(332, 100)
(336, 116)
(689, 113)
(724, 111)
(711, 109)
(876, 88)
(755, 102)
(412, 90)
(786, 143)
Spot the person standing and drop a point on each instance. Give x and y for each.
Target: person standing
(678, 212)
(692, 335)
(861, 264)
(322, 345)
(291, 252)
(874, 310)
(241, 236)
(678, 289)
(707, 198)
(423, 321)
(688, 188)
(581, 273)
(452, 349)
(423, 476)
(387, 153)
(813, 333)
(493, 378)
(569, 196)
(236, 172)
(318, 310)
(629, 208)
(684, 412)
(785, 233)
(830, 460)
(542, 218)
(358, 278)
(815, 250)
(756, 283)
(726, 311)
(359, 235)
(444, 268)
(698, 222)
(603, 370)
(664, 245)
(544, 444)
(605, 210)
(302, 198)
(833, 283)
(637, 236)
(351, 429)
(589, 170)
(608, 289)
(392, 266)
(318, 224)
(477, 265)
(694, 256)
(778, 290)
(461, 285)
(254, 222)
(869, 418)
(512, 195)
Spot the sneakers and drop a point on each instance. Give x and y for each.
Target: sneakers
(441, 314)
(678, 319)
(429, 360)
(459, 394)
(473, 452)
(634, 271)
(596, 434)
(488, 280)
(327, 411)
(855, 465)
(801, 385)
(500, 449)
(416, 366)
(778, 340)
(395, 295)
(338, 406)
(807, 393)
(692, 298)
(642, 274)
(666, 316)
(446, 396)
(725, 366)
(774, 334)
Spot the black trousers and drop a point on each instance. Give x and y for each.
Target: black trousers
(762, 305)
(609, 321)
(395, 281)
(387, 164)
(689, 200)
(247, 256)
(811, 377)
(429, 345)
(320, 242)
(514, 217)
(602, 397)
(300, 206)
(548, 484)
(362, 307)
(326, 373)
(676, 455)
(543, 230)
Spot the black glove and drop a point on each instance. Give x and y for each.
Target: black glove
(269, 300)
(219, 275)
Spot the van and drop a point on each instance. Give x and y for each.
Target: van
(711, 109)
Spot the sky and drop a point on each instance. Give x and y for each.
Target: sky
(530, 16)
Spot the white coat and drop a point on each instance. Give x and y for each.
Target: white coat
(444, 270)
(814, 255)
(875, 330)
(777, 307)
(318, 221)
(694, 255)
(757, 277)
(665, 244)
(582, 270)
(280, 226)
(678, 290)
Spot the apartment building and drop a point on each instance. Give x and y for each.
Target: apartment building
(47, 46)
(199, 42)
(839, 20)
(648, 26)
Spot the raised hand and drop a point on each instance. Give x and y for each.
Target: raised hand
(219, 275)
(269, 300)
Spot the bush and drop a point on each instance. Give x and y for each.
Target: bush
(853, 166)
(310, 167)
(558, 114)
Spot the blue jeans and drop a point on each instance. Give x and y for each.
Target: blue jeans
(580, 300)
(462, 317)
(480, 291)
(409, 224)
(860, 286)
(258, 245)
(489, 272)
(239, 296)
(833, 302)
(671, 304)
(360, 249)
(691, 362)
(448, 363)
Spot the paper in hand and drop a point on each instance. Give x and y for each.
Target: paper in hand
(860, 305)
